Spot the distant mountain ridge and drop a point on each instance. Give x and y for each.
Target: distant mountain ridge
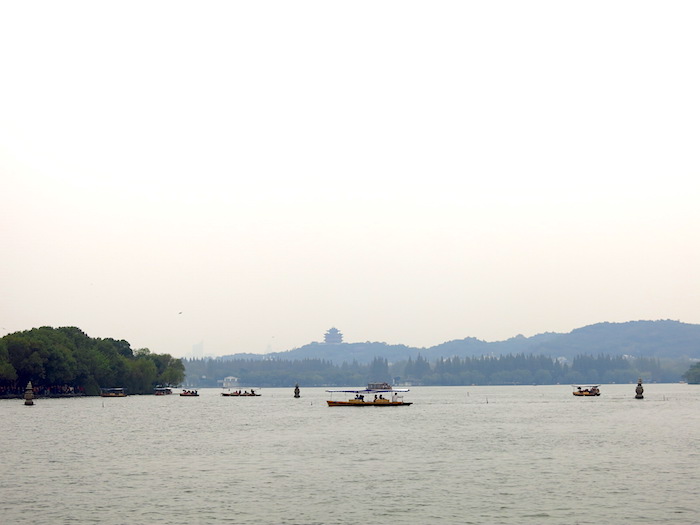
(659, 339)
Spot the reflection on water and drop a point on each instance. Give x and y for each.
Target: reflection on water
(512, 455)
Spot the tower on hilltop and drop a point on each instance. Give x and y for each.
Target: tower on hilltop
(333, 335)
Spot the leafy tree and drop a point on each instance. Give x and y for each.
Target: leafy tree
(67, 357)
(141, 375)
(173, 373)
(7, 371)
(25, 358)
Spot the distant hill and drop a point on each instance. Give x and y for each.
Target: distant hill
(660, 339)
(339, 353)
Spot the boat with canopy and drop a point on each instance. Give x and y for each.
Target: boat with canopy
(375, 395)
(112, 392)
(586, 390)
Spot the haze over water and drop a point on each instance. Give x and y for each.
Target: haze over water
(510, 455)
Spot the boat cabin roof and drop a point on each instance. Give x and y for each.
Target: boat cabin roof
(367, 390)
(585, 386)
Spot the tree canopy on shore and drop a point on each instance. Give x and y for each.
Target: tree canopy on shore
(485, 370)
(50, 357)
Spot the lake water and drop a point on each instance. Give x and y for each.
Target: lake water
(458, 455)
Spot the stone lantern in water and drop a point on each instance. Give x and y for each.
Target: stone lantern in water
(29, 395)
(639, 390)
(296, 390)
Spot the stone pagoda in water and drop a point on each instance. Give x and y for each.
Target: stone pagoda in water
(29, 394)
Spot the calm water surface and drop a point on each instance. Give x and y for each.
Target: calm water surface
(510, 455)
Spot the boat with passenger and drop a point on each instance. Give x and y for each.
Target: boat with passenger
(189, 393)
(586, 390)
(239, 393)
(163, 391)
(378, 395)
(112, 392)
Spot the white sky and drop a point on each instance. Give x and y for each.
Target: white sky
(409, 172)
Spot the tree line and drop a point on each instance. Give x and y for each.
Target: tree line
(67, 359)
(485, 370)
(692, 376)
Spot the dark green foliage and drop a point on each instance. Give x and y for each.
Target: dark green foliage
(58, 357)
(7, 371)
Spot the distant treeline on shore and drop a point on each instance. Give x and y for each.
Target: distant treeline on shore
(486, 370)
(66, 361)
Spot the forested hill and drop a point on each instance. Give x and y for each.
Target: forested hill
(658, 339)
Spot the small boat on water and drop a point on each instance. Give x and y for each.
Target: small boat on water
(384, 396)
(238, 393)
(189, 393)
(162, 391)
(112, 392)
(586, 390)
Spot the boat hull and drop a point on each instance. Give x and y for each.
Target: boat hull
(586, 394)
(353, 403)
(241, 395)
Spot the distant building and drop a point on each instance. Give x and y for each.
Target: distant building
(198, 350)
(229, 382)
(333, 336)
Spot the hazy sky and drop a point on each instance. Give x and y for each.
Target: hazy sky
(408, 172)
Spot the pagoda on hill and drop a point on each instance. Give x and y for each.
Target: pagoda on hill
(333, 336)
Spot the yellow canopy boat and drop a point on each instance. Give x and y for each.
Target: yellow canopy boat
(112, 392)
(586, 390)
(377, 394)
